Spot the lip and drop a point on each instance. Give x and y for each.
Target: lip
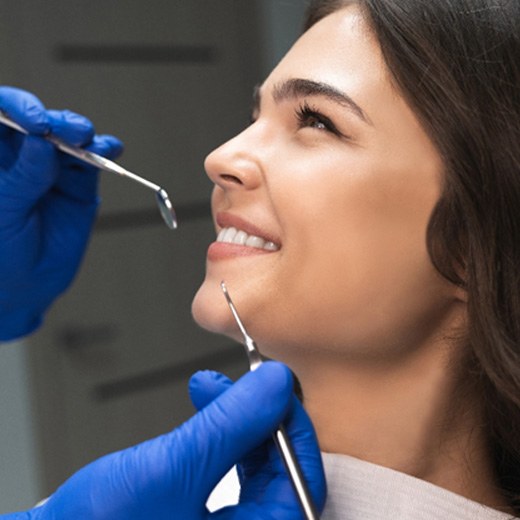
(224, 220)
(224, 250)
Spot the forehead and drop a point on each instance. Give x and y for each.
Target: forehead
(339, 50)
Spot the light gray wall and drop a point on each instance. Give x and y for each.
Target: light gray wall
(18, 464)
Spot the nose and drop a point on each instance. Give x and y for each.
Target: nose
(235, 164)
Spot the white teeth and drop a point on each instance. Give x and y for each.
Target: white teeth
(235, 236)
(271, 246)
(257, 242)
(229, 235)
(220, 237)
(241, 238)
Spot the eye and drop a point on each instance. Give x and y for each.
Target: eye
(309, 117)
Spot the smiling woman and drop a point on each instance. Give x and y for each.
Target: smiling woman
(382, 165)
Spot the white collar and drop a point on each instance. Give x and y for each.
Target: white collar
(360, 490)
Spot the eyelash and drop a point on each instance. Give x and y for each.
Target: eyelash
(303, 114)
(307, 116)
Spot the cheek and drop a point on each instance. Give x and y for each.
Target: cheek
(358, 272)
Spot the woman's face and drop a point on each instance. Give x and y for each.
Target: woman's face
(337, 177)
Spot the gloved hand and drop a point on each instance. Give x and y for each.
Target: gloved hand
(171, 477)
(265, 490)
(48, 202)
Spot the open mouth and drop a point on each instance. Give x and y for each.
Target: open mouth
(232, 235)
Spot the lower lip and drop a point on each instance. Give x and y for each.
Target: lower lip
(224, 250)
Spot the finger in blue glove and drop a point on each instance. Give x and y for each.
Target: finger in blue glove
(171, 477)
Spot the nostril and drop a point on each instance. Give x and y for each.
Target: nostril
(230, 178)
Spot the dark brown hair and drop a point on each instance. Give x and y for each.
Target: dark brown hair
(457, 62)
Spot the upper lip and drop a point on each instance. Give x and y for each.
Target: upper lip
(226, 220)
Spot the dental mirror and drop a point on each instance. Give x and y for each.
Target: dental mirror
(161, 197)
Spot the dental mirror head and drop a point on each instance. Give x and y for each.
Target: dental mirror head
(166, 208)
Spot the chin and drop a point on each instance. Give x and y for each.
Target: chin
(211, 312)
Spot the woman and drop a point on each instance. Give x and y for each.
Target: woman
(369, 232)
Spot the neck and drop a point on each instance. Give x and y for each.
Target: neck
(414, 416)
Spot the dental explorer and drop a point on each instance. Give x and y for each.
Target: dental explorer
(161, 197)
(280, 437)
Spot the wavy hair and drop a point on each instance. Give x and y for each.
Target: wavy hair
(457, 63)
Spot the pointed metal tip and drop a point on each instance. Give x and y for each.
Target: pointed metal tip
(229, 301)
(233, 310)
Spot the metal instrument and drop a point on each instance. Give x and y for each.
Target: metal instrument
(161, 197)
(280, 437)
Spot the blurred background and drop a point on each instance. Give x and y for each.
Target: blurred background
(173, 79)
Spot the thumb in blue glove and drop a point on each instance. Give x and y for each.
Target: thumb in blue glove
(48, 203)
(266, 491)
(171, 477)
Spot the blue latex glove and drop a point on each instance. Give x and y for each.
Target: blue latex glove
(265, 490)
(48, 203)
(171, 477)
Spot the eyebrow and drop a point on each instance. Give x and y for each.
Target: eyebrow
(297, 87)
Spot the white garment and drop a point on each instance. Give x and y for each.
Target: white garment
(359, 490)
